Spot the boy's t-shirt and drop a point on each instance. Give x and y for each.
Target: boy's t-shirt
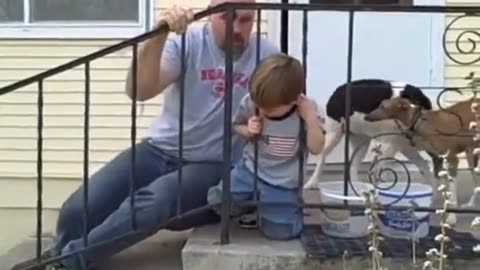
(204, 95)
(278, 145)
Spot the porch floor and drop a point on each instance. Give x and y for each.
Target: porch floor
(247, 251)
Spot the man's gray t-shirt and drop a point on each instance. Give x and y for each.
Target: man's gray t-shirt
(204, 87)
(278, 144)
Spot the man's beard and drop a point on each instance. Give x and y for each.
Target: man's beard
(238, 46)
(237, 51)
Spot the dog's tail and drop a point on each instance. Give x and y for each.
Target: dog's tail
(334, 133)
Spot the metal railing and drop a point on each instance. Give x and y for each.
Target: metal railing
(229, 9)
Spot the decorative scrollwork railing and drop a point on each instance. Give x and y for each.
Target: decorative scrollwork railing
(464, 52)
(467, 36)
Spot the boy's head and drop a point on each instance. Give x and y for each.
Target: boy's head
(276, 84)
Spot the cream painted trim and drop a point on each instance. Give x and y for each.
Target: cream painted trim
(80, 30)
(70, 32)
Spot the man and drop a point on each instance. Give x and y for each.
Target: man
(157, 155)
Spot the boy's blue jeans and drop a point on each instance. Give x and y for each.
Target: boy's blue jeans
(277, 222)
(155, 202)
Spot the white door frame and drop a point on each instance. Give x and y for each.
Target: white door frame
(437, 63)
(437, 56)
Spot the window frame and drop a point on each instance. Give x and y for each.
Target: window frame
(83, 30)
(362, 2)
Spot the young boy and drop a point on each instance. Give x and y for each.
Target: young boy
(272, 114)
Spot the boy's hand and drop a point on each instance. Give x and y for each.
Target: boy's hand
(254, 126)
(307, 108)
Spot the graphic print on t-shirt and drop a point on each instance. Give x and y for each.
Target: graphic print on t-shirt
(278, 146)
(217, 77)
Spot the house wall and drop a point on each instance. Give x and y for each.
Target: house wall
(455, 73)
(64, 114)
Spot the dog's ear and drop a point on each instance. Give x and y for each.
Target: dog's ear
(405, 104)
(416, 96)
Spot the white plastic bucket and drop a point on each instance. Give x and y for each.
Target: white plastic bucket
(476, 234)
(402, 224)
(339, 222)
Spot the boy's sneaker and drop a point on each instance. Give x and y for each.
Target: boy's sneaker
(56, 266)
(248, 221)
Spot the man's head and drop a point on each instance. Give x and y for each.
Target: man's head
(242, 26)
(276, 84)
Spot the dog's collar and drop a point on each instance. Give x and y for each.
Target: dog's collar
(416, 119)
(415, 123)
(419, 121)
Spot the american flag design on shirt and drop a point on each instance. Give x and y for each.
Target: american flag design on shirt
(278, 146)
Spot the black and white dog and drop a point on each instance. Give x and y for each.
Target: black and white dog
(367, 95)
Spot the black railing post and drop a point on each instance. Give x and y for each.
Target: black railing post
(284, 29)
(133, 135)
(227, 136)
(39, 168)
(348, 104)
(302, 132)
(256, 194)
(180, 124)
(86, 149)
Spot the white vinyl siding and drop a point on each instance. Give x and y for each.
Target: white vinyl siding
(64, 112)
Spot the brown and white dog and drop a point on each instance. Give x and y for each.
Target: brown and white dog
(366, 96)
(445, 132)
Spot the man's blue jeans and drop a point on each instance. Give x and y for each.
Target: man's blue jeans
(155, 203)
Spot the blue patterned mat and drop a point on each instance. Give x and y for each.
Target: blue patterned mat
(319, 245)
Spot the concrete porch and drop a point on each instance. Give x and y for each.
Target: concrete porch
(248, 250)
(199, 249)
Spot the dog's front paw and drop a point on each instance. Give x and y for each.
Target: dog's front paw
(311, 183)
(474, 201)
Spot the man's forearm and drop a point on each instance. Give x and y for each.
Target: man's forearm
(148, 69)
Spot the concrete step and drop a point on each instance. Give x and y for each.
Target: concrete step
(159, 252)
(163, 250)
(247, 250)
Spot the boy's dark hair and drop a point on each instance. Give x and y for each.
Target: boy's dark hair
(277, 80)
